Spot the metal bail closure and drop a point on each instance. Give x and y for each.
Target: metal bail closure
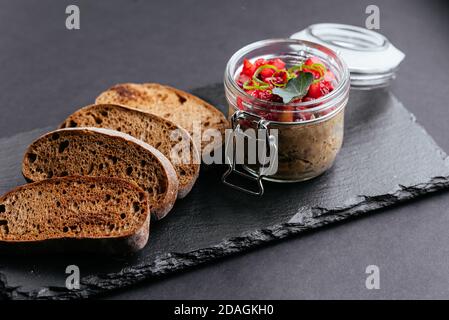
(230, 147)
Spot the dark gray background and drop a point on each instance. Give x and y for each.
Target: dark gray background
(47, 71)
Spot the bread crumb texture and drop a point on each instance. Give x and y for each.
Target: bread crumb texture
(87, 153)
(178, 106)
(162, 134)
(72, 207)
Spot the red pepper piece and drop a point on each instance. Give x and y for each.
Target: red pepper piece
(248, 68)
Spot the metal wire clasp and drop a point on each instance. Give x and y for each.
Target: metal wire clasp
(262, 170)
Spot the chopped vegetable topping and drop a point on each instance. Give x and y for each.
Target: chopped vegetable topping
(296, 88)
(271, 80)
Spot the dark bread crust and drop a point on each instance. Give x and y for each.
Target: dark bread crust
(161, 202)
(107, 246)
(145, 126)
(119, 242)
(145, 97)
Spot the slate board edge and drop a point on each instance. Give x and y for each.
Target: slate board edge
(175, 262)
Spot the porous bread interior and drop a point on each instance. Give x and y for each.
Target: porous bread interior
(183, 109)
(84, 153)
(72, 208)
(151, 129)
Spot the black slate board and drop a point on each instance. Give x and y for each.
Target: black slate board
(387, 158)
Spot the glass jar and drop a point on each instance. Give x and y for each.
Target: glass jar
(309, 134)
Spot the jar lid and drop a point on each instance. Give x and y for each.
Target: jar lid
(372, 60)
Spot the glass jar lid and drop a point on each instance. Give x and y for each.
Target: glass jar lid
(372, 60)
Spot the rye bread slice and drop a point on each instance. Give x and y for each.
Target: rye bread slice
(104, 153)
(180, 107)
(84, 213)
(171, 140)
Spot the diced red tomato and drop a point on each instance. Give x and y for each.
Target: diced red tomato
(329, 85)
(313, 60)
(279, 77)
(256, 93)
(320, 89)
(260, 62)
(248, 68)
(273, 78)
(242, 79)
(316, 74)
(315, 90)
(278, 63)
(252, 93)
(264, 95)
(309, 62)
(266, 73)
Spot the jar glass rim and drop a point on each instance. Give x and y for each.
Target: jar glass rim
(322, 102)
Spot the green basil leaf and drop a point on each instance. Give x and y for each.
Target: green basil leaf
(296, 88)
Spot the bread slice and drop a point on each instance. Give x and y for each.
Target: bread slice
(76, 208)
(180, 107)
(162, 134)
(104, 153)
